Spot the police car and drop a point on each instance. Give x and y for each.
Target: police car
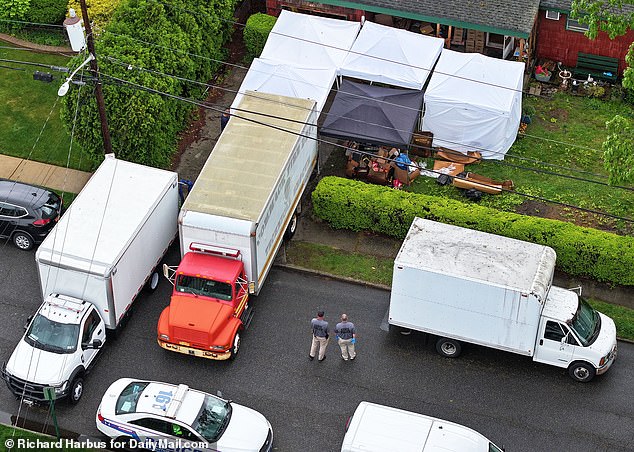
(162, 416)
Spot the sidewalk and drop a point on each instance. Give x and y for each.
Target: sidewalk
(54, 177)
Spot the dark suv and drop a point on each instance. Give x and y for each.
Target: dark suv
(27, 213)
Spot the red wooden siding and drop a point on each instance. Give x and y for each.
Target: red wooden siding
(558, 44)
(273, 8)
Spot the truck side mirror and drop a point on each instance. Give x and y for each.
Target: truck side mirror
(96, 343)
(28, 322)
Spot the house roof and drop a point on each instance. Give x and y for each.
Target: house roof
(513, 18)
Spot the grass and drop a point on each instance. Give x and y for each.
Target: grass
(378, 270)
(30, 124)
(567, 132)
(16, 434)
(330, 260)
(45, 35)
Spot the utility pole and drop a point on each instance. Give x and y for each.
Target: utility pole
(101, 106)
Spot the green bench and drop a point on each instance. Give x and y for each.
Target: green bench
(598, 67)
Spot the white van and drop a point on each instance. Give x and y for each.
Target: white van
(379, 428)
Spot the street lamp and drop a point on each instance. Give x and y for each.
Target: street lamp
(66, 85)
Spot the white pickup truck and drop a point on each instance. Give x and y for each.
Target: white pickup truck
(105, 248)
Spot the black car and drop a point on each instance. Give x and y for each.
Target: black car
(27, 213)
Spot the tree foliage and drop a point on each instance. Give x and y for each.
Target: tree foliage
(144, 40)
(14, 9)
(256, 32)
(614, 17)
(618, 156)
(99, 11)
(47, 11)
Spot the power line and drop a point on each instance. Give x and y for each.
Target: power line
(321, 140)
(403, 130)
(292, 37)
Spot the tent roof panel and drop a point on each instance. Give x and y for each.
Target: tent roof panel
(310, 41)
(373, 114)
(265, 76)
(392, 56)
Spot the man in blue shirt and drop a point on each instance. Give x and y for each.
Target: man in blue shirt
(320, 337)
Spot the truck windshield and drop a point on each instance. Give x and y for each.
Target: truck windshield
(586, 323)
(52, 336)
(204, 287)
(213, 418)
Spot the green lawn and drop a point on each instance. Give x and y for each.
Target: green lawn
(378, 270)
(13, 439)
(30, 124)
(566, 131)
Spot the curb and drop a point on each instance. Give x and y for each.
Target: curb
(38, 47)
(308, 271)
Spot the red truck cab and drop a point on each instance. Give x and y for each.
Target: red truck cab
(208, 308)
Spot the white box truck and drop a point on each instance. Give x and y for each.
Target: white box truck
(463, 285)
(105, 248)
(244, 202)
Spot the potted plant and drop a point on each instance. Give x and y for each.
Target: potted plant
(542, 74)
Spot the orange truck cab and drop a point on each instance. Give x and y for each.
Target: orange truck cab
(208, 308)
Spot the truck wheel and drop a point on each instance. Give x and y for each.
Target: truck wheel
(23, 241)
(76, 390)
(448, 347)
(153, 282)
(582, 372)
(236, 346)
(292, 227)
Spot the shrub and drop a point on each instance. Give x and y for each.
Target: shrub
(183, 38)
(348, 204)
(47, 11)
(14, 9)
(99, 11)
(256, 32)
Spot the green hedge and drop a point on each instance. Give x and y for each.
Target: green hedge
(256, 32)
(47, 11)
(349, 204)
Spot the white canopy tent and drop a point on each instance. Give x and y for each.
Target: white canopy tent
(392, 56)
(309, 41)
(287, 80)
(474, 103)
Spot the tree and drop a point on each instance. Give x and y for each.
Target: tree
(143, 40)
(618, 156)
(612, 16)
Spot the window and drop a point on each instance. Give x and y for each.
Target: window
(574, 25)
(204, 287)
(168, 428)
(553, 331)
(9, 210)
(552, 15)
(91, 324)
(126, 403)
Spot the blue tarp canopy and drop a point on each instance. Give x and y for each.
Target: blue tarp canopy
(373, 114)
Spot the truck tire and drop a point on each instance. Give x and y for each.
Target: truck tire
(292, 227)
(235, 347)
(153, 282)
(76, 390)
(582, 372)
(448, 348)
(23, 241)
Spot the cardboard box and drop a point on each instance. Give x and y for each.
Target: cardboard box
(407, 177)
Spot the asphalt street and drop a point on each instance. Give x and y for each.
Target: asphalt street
(518, 404)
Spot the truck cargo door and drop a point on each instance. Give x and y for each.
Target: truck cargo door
(552, 346)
